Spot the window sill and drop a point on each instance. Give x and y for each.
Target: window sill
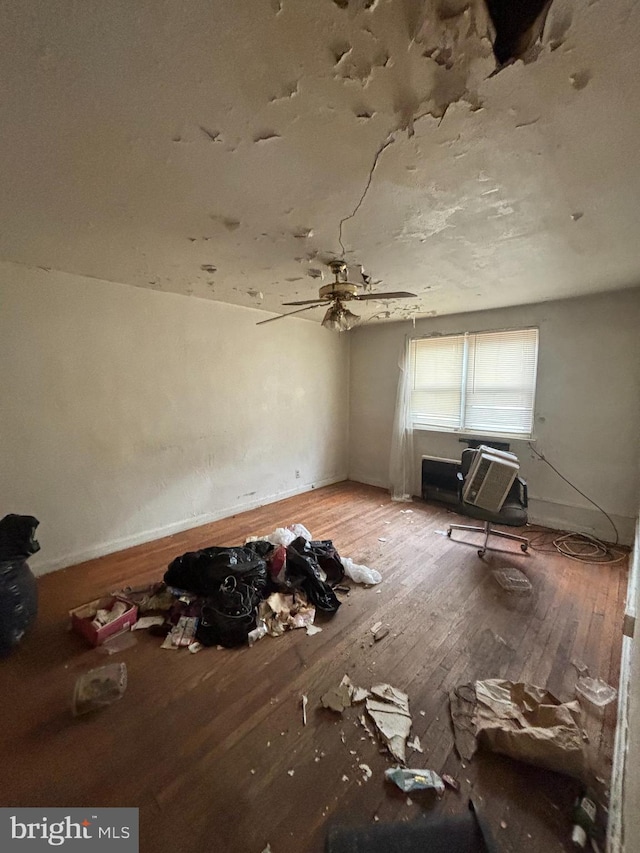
(465, 433)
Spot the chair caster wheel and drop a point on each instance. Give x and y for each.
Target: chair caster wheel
(481, 553)
(449, 533)
(524, 547)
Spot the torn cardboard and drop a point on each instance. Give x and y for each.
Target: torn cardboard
(520, 720)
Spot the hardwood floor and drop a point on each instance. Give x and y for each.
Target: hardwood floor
(203, 743)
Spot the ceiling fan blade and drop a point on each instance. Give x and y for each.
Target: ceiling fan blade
(396, 294)
(308, 302)
(280, 316)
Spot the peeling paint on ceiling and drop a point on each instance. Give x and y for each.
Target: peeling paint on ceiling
(227, 151)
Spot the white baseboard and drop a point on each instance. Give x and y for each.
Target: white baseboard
(559, 516)
(152, 534)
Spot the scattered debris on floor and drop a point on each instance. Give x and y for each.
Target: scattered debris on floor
(450, 782)
(145, 622)
(99, 687)
(414, 780)
(304, 701)
(118, 643)
(584, 821)
(513, 580)
(389, 710)
(520, 720)
(367, 772)
(338, 698)
(230, 596)
(581, 668)
(281, 612)
(596, 691)
(415, 744)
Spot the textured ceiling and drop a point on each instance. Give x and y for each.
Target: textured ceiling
(221, 148)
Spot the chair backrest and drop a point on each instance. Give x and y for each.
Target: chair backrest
(466, 460)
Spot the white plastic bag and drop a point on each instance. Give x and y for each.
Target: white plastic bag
(300, 530)
(283, 535)
(360, 574)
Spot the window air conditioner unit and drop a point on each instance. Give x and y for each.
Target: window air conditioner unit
(490, 478)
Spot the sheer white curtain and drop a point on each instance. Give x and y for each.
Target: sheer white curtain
(401, 462)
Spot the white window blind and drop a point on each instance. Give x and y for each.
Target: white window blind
(480, 383)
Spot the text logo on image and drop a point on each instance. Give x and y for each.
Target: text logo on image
(103, 830)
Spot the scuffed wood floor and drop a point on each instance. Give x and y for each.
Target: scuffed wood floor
(204, 743)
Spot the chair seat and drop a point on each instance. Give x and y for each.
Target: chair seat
(512, 514)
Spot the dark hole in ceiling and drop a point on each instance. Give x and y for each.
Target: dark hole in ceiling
(518, 24)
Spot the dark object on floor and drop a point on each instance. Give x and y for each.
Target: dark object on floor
(18, 590)
(328, 560)
(463, 833)
(439, 480)
(303, 572)
(512, 514)
(518, 24)
(228, 617)
(232, 580)
(17, 537)
(202, 572)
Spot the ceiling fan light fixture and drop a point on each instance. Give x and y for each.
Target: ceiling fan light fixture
(340, 319)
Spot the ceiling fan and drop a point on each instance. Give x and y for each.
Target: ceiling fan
(338, 317)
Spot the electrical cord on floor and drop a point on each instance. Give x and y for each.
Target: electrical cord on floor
(578, 546)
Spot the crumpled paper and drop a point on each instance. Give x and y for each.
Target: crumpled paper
(520, 720)
(281, 612)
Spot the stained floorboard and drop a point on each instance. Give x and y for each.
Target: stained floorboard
(203, 743)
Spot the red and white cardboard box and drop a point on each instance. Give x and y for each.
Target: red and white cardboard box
(82, 619)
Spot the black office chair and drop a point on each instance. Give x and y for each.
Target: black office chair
(513, 512)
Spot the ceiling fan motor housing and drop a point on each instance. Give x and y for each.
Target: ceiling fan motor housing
(338, 290)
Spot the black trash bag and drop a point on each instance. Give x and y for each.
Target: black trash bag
(17, 537)
(303, 572)
(261, 547)
(202, 572)
(18, 589)
(328, 560)
(227, 617)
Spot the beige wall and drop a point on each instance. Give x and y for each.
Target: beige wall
(587, 405)
(128, 414)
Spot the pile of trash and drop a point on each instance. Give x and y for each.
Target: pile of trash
(231, 596)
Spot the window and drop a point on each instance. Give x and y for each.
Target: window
(480, 382)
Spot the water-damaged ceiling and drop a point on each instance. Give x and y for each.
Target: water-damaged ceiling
(226, 149)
